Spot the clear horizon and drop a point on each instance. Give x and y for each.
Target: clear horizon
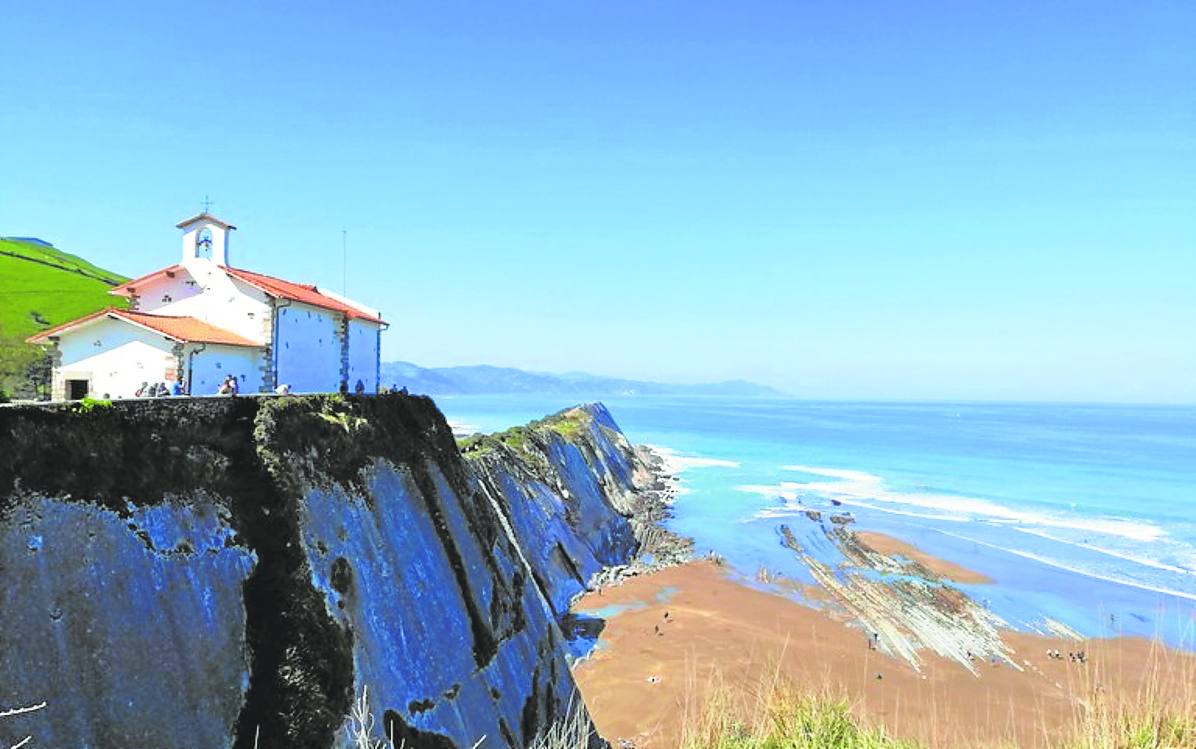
(932, 203)
(783, 395)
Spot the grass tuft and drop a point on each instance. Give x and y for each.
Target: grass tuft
(568, 425)
(573, 731)
(1105, 726)
(784, 719)
(87, 405)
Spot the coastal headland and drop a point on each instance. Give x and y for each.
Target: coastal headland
(294, 571)
(303, 566)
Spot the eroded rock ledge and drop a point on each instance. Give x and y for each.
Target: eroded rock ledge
(585, 504)
(211, 572)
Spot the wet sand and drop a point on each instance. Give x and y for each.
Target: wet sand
(891, 546)
(653, 673)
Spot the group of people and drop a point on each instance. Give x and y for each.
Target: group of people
(229, 386)
(159, 390)
(1075, 656)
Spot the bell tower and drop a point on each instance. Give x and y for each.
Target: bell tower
(205, 237)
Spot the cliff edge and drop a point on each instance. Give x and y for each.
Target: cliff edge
(237, 572)
(584, 502)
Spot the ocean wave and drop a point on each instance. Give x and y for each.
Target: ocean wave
(1135, 558)
(463, 428)
(777, 491)
(907, 513)
(860, 485)
(675, 462)
(1067, 567)
(1101, 535)
(788, 491)
(773, 513)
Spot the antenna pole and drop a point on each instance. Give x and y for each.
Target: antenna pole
(344, 262)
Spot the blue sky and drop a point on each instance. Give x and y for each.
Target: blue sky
(844, 200)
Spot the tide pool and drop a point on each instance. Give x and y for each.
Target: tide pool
(1081, 514)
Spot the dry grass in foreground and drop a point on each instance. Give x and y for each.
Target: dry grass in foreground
(573, 731)
(782, 718)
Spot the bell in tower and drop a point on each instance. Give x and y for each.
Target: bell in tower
(205, 237)
(203, 244)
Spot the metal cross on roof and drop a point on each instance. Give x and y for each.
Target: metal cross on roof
(207, 204)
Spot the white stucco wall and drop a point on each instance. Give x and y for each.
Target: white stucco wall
(204, 291)
(115, 356)
(159, 293)
(363, 355)
(308, 348)
(211, 363)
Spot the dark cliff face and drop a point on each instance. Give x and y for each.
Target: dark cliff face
(198, 573)
(567, 486)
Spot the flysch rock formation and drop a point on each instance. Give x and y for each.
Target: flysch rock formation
(237, 572)
(903, 606)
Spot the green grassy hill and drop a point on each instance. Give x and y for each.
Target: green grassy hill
(40, 287)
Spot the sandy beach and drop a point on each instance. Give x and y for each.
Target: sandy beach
(685, 632)
(891, 546)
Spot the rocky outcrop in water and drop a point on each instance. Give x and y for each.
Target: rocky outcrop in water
(235, 572)
(903, 606)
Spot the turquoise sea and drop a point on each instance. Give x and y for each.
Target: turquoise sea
(1084, 514)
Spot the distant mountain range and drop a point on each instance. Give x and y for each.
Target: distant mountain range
(486, 380)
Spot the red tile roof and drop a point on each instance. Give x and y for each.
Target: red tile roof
(304, 293)
(186, 329)
(190, 329)
(276, 287)
(128, 288)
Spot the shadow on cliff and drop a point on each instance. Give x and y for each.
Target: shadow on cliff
(215, 572)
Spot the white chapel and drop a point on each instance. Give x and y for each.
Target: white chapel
(198, 321)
